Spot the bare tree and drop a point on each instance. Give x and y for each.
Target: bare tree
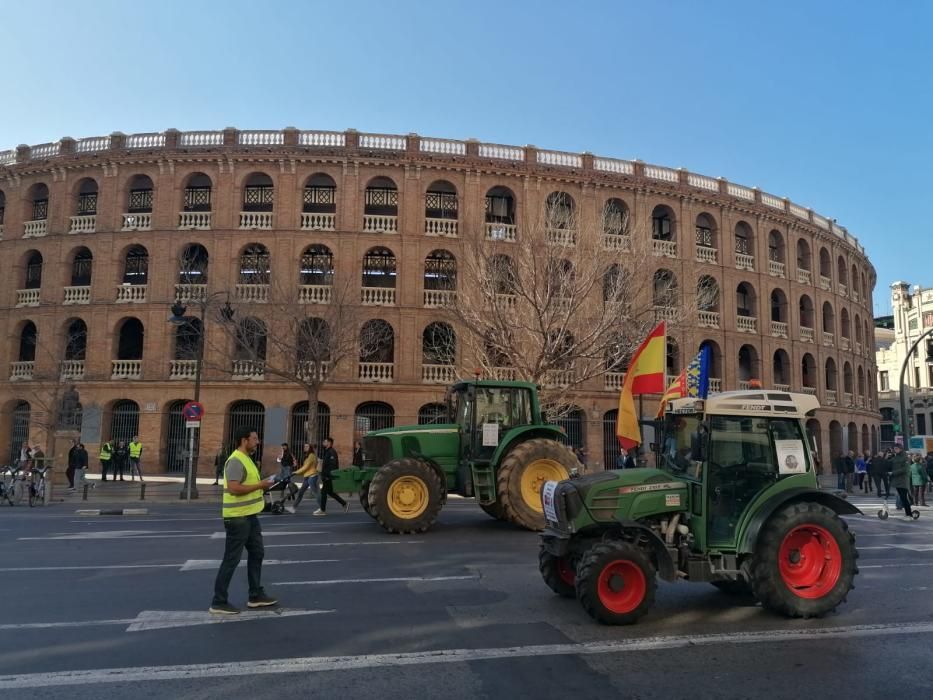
(564, 301)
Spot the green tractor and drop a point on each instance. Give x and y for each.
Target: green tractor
(734, 502)
(495, 446)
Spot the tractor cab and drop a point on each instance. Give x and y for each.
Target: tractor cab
(735, 450)
(486, 411)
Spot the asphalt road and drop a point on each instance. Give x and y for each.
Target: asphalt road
(98, 607)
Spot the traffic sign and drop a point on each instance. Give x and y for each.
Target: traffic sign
(193, 411)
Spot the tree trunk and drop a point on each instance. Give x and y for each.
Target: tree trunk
(312, 431)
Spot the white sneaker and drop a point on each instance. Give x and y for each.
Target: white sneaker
(290, 509)
(319, 512)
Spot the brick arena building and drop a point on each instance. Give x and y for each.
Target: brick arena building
(93, 231)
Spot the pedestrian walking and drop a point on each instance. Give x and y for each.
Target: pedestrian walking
(848, 466)
(219, 460)
(242, 503)
(121, 460)
(358, 456)
(286, 461)
(80, 466)
(105, 457)
(329, 464)
(309, 473)
(900, 478)
(136, 452)
(72, 465)
(918, 480)
(879, 474)
(861, 468)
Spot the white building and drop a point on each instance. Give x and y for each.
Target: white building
(912, 316)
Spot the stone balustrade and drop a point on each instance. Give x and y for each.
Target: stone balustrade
(377, 296)
(811, 390)
(126, 369)
(807, 335)
(441, 227)
(383, 372)
(256, 220)
(71, 370)
(782, 387)
(504, 374)
(860, 401)
(664, 249)
(828, 339)
(377, 223)
(612, 381)
(705, 254)
(86, 223)
(35, 229)
(315, 293)
(744, 262)
(715, 385)
(617, 241)
(746, 324)
(438, 298)
(27, 297)
(308, 369)
(186, 293)
(561, 236)
(845, 343)
(847, 399)
(665, 313)
(501, 232)
(558, 379)
(778, 329)
(183, 369)
(194, 220)
(775, 268)
(131, 293)
(830, 397)
(506, 301)
(858, 348)
(77, 295)
(254, 293)
(804, 277)
(842, 290)
(318, 222)
(438, 374)
(137, 222)
(708, 319)
(826, 284)
(21, 371)
(248, 369)
(744, 385)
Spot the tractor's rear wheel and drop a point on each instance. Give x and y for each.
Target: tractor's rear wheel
(557, 573)
(804, 565)
(364, 498)
(493, 510)
(522, 474)
(616, 583)
(405, 496)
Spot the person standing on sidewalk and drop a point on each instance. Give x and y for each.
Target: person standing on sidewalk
(918, 480)
(80, 466)
(72, 465)
(329, 464)
(106, 458)
(900, 478)
(242, 503)
(136, 452)
(121, 459)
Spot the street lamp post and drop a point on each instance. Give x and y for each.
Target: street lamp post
(189, 489)
(905, 426)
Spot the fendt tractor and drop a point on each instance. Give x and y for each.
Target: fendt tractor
(495, 446)
(734, 501)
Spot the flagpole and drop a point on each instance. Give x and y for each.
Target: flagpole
(641, 428)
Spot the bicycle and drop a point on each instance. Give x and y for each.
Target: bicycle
(37, 487)
(7, 481)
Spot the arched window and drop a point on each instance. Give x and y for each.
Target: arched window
(131, 340)
(28, 337)
(2, 207)
(432, 414)
(440, 272)
(315, 346)
(76, 340)
(193, 265)
(250, 342)
(847, 378)
(379, 269)
(560, 211)
(778, 306)
(662, 224)
(86, 204)
(708, 296)
(438, 344)
(440, 202)
(188, 339)
(197, 195)
(247, 414)
(317, 266)
(615, 218)
(377, 342)
(501, 272)
(665, 291)
(845, 324)
(500, 206)
(842, 273)
(320, 195)
(372, 415)
(672, 358)
(300, 427)
(139, 197)
(831, 378)
(829, 318)
(38, 202)
(255, 265)
(808, 371)
(803, 255)
(706, 238)
(748, 363)
(826, 266)
(258, 193)
(81, 265)
(380, 206)
(746, 302)
(614, 284)
(19, 430)
(776, 252)
(781, 369)
(33, 279)
(136, 266)
(860, 380)
(806, 312)
(744, 239)
(715, 362)
(573, 422)
(124, 421)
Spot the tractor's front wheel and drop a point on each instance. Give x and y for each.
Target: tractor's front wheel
(405, 496)
(557, 573)
(805, 563)
(522, 474)
(616, 583)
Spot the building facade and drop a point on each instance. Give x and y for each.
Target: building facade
(100, 236)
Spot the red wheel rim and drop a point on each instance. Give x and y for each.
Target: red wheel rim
(810, 561)
(622, 586)
(565, 572)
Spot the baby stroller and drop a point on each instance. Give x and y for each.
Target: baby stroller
(276, 496)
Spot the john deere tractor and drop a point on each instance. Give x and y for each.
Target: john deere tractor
(494, 446)
(734, 502)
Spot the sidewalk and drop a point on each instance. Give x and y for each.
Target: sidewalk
(158, 489)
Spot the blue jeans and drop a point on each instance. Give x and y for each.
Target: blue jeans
(310, 482)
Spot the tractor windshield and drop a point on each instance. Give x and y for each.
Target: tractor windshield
(684, 444)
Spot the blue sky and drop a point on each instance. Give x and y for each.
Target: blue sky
(827, 103)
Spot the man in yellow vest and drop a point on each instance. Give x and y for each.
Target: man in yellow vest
(242, 503)
(136, 451)
(106, 454)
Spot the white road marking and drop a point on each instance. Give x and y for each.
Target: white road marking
(115, 535)
(894, 564)
(388, 579)
(164, 619)
(344, 544)
(893, 545)
(314, 664)
(270, 533)
(213, 564)
(189, 565)
(91, 568)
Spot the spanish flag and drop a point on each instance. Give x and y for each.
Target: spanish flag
(645, 376)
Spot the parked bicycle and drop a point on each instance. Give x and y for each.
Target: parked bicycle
(7, 482)
(37, 483)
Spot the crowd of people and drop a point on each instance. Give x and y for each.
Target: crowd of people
(911, 475)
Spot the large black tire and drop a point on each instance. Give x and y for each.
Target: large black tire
(616, 583)
(493, 510)
(804, 563)
(364, 499)
(557, 573)
(405, 496)
(738, 587)
(522, 474)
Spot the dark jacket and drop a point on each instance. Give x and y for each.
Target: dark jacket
(848, 465)
(72, 460)
(358, 457)
(121, 457)
(900, 471)
(329, 462)
(80, 458)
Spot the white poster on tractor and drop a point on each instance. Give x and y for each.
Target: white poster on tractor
(791, 456)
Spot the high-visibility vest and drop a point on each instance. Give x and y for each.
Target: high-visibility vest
(136, 449)
(106, 452)
(235, 506)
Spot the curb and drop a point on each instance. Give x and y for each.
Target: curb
(115, 511)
